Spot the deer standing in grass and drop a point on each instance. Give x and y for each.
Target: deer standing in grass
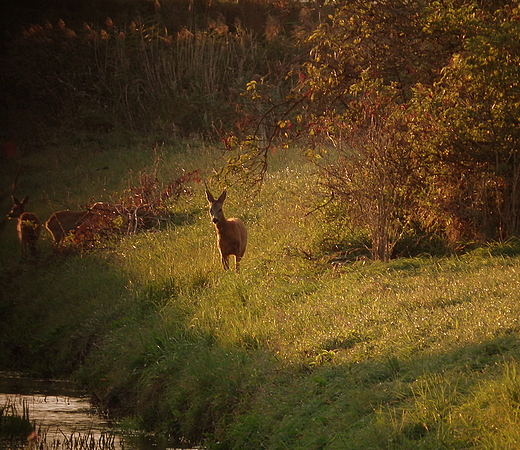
(61, 223)
(231, 233)
(28, 227)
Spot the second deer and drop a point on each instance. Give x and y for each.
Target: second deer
(63, 223)
(231, 233)
(28, 227)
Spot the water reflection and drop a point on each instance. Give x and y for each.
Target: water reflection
(63, 413)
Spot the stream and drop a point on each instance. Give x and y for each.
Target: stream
(65, 418)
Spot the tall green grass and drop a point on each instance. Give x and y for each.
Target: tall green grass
(295, 351)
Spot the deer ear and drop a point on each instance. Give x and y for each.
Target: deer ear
(210, 197)
(15, 200)
(222, 197)
(25, 200)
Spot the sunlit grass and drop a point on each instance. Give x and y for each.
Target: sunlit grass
(293, 351)
(416, 333)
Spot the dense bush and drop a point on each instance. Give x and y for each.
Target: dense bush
(411, 112)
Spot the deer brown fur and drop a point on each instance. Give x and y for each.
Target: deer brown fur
(28, 227)
(231, 233)
(61, 223)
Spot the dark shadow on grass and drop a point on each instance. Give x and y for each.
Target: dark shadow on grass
(53, 312)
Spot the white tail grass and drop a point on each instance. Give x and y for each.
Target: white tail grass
(231, 233)
(28, 226)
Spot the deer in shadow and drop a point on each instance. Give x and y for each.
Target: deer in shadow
(63, 223)
(231, 233)
(28, 226)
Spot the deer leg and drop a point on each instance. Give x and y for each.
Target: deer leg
(225, 262)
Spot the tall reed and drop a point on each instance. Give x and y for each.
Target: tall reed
(137, 76)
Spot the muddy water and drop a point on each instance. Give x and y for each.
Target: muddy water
(63, 414)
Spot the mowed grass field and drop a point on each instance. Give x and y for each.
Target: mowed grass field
(295, 352)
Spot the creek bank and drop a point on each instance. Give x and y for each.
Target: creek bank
(64, 417)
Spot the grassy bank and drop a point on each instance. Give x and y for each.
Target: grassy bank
(293, 352)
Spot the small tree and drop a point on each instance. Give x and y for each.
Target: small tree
(371, 169)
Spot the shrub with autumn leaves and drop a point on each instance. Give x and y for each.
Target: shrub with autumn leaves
(140, 208)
